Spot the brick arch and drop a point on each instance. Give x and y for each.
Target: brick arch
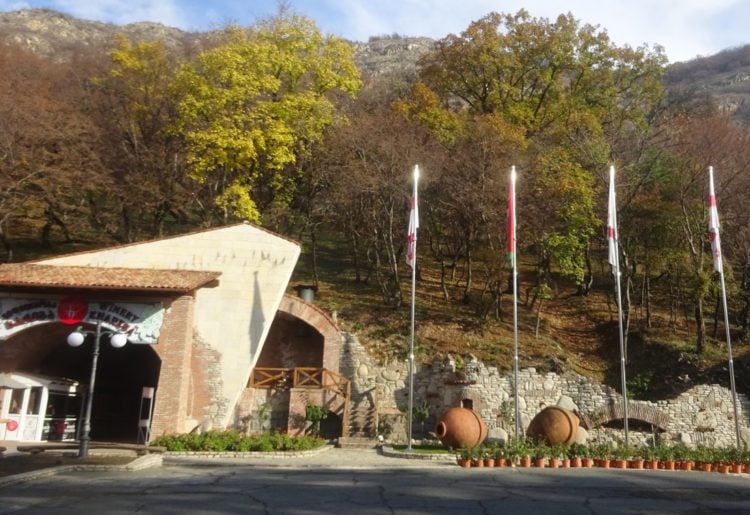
(321, 322)
(637, 410)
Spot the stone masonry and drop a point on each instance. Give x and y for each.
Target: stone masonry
(701, 415)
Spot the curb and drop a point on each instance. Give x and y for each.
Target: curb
(248, 455)
(387, 450)
(140, 463)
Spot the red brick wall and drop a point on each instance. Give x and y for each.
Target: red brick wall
(291, 343)
(175, 350)
(319, 321)
(206, 399)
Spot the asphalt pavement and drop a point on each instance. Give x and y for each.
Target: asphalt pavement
(365, 482)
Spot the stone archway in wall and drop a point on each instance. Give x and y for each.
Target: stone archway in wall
(302, 335)
(641, 411)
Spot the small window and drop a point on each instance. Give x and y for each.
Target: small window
(16, 401)
(35, 398)
(467, 403)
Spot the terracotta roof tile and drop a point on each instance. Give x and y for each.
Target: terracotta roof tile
(51, 276)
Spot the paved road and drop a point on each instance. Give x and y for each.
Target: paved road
(361, 482)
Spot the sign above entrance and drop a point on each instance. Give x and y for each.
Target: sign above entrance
(141, 323)
(72, 310)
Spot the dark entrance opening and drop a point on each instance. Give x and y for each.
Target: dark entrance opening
(121, 374)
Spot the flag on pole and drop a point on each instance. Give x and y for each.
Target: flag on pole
(713, 223)
(512, 219)
(612, 222)
(411, 237)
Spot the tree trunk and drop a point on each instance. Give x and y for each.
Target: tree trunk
(355, 254)
(538, 317)
(314, 252)
(717, 307)
(588, 278)
(6, 243)
(647, 299)
(467, 289)
(443, 286)
(700, 327)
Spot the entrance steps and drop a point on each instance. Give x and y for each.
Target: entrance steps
(356, 442)
(363, 420)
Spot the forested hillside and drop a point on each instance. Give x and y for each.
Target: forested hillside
(135, 134)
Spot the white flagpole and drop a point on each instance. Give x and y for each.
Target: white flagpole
(614, 256)
(514, 261)
(414, 224)
(718, 259)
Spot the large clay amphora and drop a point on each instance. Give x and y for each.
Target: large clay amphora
(461, 427)
(554, 425)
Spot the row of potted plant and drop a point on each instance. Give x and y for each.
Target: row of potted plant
(526, 453)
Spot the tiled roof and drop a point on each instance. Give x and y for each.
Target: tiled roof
(100, 278)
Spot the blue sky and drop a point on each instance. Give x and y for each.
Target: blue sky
(686, 28)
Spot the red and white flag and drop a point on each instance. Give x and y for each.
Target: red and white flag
(411, 237)
(612, 223)
(512, 219)
(713, 223)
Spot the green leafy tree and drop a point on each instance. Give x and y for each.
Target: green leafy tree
(572, 93)
(252, 105)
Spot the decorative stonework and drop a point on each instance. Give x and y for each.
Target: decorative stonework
(703, 414)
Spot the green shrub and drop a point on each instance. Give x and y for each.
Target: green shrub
(222, 441)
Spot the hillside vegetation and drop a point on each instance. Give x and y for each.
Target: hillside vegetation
(138, 132)
(576, 333)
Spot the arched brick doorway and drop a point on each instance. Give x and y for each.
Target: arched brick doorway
(302, 336)
(121, 375)
(313, 323)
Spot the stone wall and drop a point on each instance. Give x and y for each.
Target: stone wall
(702, 414)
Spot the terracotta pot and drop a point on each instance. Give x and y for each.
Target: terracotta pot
(588, 462)
(539, 462)
(554, 425)
(687, 465)
(489, 462)
(620, 464)
(669, 465)
(554, 463)
(501, 462)
(565, 463)
(746, 468)
(576, 462)
(651, 464)
(706, 467)
(464, 462)
(604, 463)
(525, 462)
(636, 463)
(477, 463)
(461, 427)
(736, 468)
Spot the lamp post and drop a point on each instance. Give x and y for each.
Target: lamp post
(76, 339)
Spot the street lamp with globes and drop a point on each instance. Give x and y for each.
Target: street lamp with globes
(76, 339)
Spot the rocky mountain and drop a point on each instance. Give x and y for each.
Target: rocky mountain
(57, 35)
(725, 76)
